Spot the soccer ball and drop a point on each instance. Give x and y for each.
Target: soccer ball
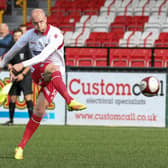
(149, 86)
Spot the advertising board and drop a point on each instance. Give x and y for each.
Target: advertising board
(114, 99)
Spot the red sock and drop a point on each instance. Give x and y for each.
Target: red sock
(60, 86)
(31, 127)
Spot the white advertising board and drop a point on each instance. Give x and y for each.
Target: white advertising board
(114, 99)
(55, 114)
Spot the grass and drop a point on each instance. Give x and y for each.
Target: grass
(86, 147)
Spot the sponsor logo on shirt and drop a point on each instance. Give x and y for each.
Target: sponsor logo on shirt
(36, 52)
(55, 35)
(32, 42)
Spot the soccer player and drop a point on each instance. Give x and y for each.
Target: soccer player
(47, 66)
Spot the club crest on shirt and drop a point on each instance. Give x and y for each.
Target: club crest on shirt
(32, 42)
(55, 35)
(36, 52)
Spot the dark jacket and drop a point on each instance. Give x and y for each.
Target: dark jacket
(5, 43)
(23, 55)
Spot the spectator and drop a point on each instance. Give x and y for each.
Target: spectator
(23, 28)
(23, 81)
(5, 38)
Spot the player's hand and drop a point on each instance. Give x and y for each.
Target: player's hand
(17, 67)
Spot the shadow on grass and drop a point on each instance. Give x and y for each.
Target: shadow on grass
(6, 156)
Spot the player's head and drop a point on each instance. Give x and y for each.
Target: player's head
(39, 20)
(17, 33)
(4, 30)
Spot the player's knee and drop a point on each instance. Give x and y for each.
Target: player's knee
(39, 110)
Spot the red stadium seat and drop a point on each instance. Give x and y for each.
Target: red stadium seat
(3, 4)
(130, 57)
(161, 43)
(86, 57)
(140, 58)
(161, 57)
(119, 58)
(100, 57)
(91, 42)
(71, 56)
(85, 62)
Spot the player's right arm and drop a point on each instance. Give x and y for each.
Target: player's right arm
(15, 48)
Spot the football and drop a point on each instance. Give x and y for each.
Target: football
(149, 86)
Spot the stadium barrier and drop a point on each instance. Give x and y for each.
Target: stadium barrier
(117, 57)
(113, 98)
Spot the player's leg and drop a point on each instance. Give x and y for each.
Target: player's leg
(32, 124)
(56, 79)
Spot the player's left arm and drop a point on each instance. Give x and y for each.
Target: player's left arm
(14, 49)
(54, 44)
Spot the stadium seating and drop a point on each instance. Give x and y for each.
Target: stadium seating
(119, 57)
(3, 4)
(140, 58)
(112, 23)
(162, 40)
(130, 39)
(83, 17)
(130, 57)
(161, 58)
(144, 7)
(86, 57)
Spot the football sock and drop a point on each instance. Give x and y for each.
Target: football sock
(30, 107)
(11, 111)
(31, 127)
(60, 86)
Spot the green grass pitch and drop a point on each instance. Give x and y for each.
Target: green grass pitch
(86, 147)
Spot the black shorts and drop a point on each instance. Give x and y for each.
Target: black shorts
(25, 85)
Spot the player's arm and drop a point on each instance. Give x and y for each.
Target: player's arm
(54, 44)
(13, 51)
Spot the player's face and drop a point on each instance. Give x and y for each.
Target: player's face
(16, 36)
(39, 22)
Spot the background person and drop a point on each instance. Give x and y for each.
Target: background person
(23, 27)
(5, 38)
(23, 80)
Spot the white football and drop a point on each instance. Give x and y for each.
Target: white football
(149, 86)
